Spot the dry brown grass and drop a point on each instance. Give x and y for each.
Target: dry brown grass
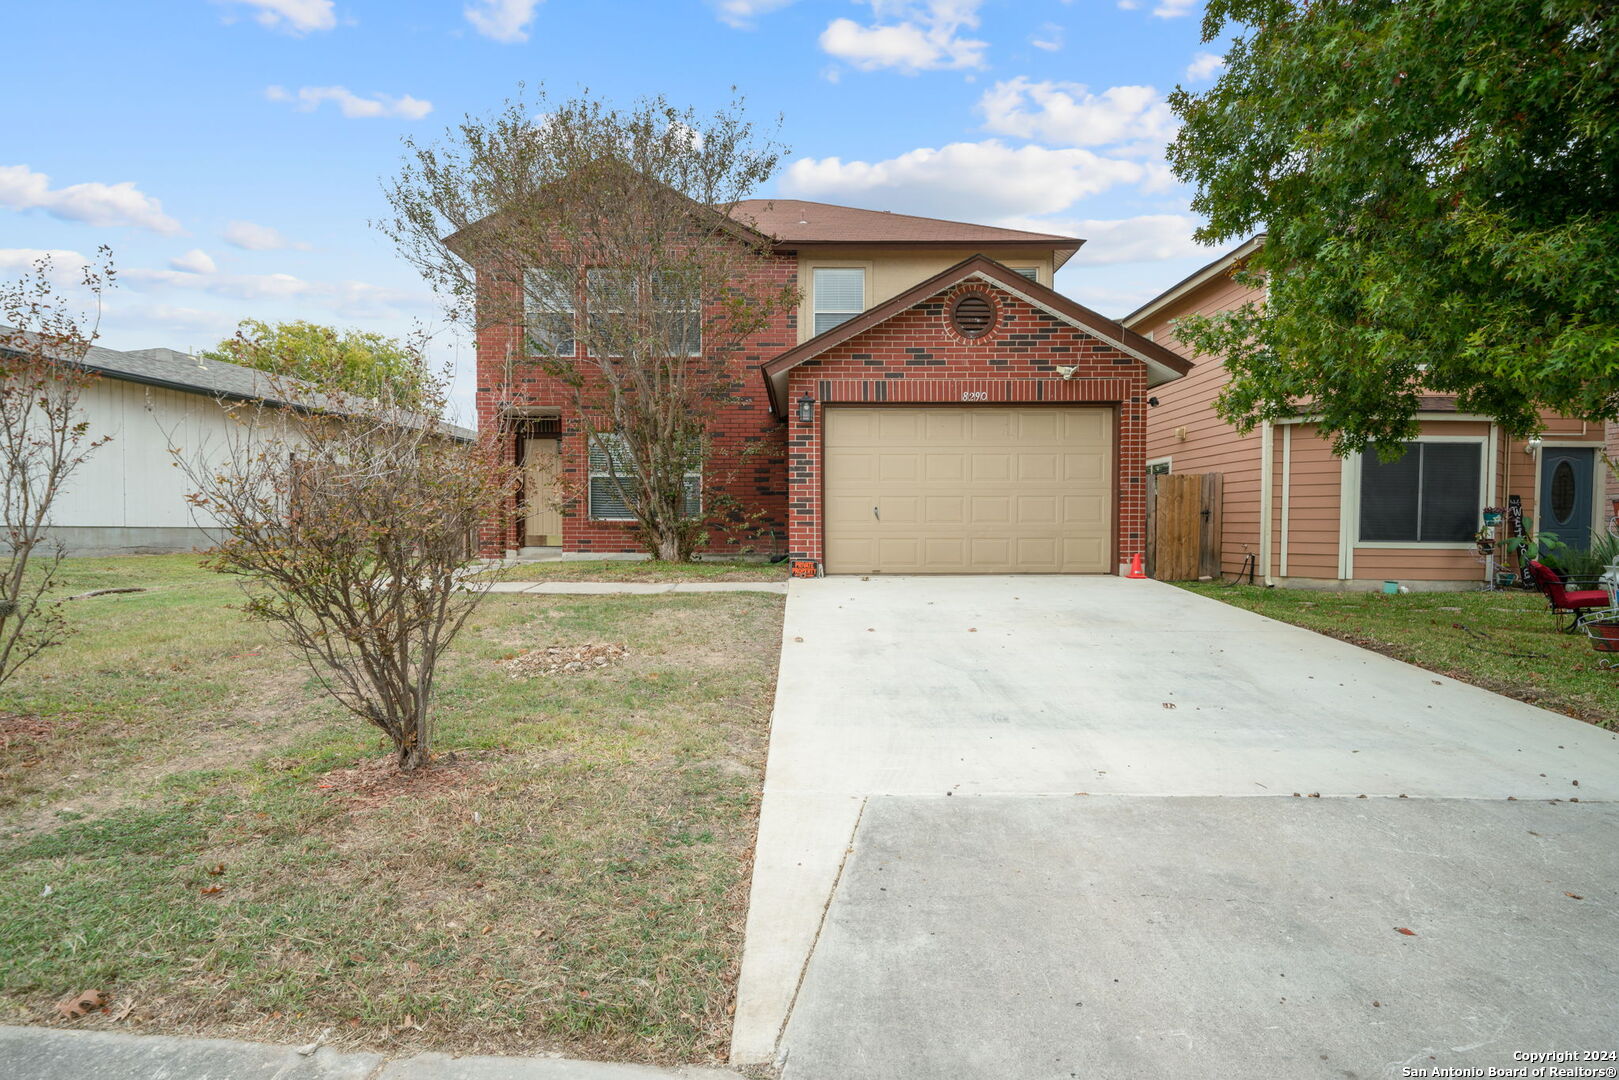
(573, 880)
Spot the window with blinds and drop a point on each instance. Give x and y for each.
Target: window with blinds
(612, 474)
(1429, 495)
(671, 312)
(548, 311)
(837, 294)
(1030, 272)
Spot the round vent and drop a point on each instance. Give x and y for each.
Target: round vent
(972, 315)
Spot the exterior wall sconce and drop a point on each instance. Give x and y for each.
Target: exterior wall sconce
(806, 410)
(1532, 445)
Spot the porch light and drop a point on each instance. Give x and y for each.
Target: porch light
(1532, 445)
(806, 410)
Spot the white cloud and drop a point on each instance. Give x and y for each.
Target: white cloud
(293, 16)
(503, 20)
(742, 13)
(21, 188)
(1204, 66)
(981, 181)
(348, 298)
(923, 37)
(1148, 238)
(197, 261)
(67, 267)
(1050, 37)
(245, 234)
(352, 105)
(1128, 5)
(1068, 113)
(1172, 9)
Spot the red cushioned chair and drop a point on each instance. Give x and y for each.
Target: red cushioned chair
(1564, 600)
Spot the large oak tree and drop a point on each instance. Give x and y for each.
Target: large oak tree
(1438, 181)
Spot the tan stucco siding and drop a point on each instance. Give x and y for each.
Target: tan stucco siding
(891, 270)
(1184, 427)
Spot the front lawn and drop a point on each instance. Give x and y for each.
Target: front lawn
(189, 827)
(645, 570)
(1502, 641)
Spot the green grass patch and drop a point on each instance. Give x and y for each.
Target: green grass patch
(574, 879)
(1502, 641)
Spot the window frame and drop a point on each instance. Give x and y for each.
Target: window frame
(694, 476)
(812, 294)
(1354, 487)
(1030, 272)
(530, 341)
(1152, 466)
(593, 310)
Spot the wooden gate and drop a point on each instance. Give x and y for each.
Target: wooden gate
(1183, 525)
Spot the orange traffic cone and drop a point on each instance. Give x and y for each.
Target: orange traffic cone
(1135, 567)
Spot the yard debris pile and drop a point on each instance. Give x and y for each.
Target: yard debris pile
(564, 659)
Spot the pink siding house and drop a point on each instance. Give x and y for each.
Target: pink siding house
(1311, 519)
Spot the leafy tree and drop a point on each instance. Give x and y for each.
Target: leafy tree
(355, 361)
(1438, 182)
(609, 236)
(44, 438)
(350, 527)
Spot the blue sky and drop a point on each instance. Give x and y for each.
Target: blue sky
(230, 151)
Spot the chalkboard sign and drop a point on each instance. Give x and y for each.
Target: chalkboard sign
(1516, 529)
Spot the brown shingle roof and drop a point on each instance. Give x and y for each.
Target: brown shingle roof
(794, 221)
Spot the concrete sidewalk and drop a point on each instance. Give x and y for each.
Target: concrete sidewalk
(634, 588)
(54, 1054)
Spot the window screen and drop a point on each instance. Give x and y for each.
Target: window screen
(612, 473)
(839, 294)
(548, 314)
(1430, 495)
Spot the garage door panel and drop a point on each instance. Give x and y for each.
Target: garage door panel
(985, 489)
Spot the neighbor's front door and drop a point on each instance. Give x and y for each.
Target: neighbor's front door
(1567, 476)
(542, 461)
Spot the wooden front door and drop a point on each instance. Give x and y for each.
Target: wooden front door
(542, 467)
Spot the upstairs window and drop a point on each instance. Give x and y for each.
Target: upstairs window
(612, 474)
(1431, 495)
(1030, 272)
(838, 294)
(671, 311)
(548, 313)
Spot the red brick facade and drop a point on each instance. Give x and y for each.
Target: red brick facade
(916, 358)
(748, 462)
(773, 468)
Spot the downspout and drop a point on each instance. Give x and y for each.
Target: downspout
(1267, 445)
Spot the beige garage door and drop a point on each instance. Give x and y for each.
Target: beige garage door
(980, 490)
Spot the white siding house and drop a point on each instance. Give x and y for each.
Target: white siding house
(129, 496)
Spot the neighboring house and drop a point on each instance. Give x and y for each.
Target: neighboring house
(1357, 521)
(129, 497)
(932, 406)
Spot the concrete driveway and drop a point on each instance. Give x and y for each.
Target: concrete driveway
(1062, 826)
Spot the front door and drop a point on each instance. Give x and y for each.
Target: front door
(1567, 476)
(542, 460)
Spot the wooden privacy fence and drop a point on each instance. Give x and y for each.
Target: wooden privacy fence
(1183, 525)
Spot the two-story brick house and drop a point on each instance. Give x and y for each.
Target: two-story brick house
(932, 406)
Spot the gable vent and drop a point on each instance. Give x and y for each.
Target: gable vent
(972, 315)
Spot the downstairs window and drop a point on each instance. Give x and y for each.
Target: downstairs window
(1430, 495)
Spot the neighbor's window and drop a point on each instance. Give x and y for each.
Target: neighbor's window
(1430, 495)
(548, 314)
(1159, 467)
(838, 295)
(612, 473)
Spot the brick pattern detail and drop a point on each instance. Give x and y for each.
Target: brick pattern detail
(916, 358)
(749, 462)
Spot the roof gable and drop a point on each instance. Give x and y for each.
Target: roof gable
(796, 221)
(1163, 364)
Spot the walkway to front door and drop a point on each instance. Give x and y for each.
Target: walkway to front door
(1053, 826)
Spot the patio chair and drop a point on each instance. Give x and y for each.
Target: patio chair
(1565, 596)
